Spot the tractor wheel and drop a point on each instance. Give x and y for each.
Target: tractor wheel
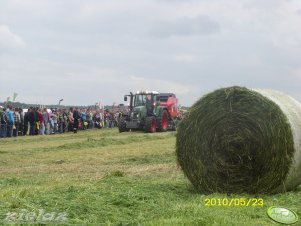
(163, 121)
(150, 124)
(122, 126)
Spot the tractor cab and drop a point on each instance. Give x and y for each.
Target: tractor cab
(145, 99)
(141, 98)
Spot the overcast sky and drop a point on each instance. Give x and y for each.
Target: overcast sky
(92, 50)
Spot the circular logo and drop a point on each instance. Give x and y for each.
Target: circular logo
(282, 215)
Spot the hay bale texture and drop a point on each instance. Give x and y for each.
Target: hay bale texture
(238, 140)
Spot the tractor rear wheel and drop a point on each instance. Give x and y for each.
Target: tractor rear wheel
(122, 126)
(163, 121)
(150, 124)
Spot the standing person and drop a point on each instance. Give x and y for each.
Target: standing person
(10, 122)
(32, 121)
(3, 122)
(26, 121)
(98, 119)
(41, 122)
(102, 120)
(76, 118)
(21, 127)
(46, 121)
(17, 121)
(65, 120)
(54, 118)
(106, 118)
(59, 121)
(83, 118)
(89, 119)
(36, 115)
(70, 120)
(51, 121)
(111, 120)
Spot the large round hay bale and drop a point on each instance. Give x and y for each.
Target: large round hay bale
(238, 140)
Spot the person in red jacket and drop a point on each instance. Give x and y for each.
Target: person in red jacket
(42, 122)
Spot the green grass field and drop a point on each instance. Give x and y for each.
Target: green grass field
(101, 177)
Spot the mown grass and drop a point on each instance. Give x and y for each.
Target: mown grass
(101, 177)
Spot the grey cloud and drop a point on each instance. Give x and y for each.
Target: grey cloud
(266, 4)
(9, 41)
(202, 25)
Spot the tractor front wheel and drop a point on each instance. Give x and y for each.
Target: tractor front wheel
(150, 124)
(163, 121)
(122, 126)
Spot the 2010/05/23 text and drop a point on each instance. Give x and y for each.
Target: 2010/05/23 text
(252, 202)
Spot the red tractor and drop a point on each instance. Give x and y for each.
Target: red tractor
(150, 111)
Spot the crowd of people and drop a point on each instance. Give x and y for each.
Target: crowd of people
(37, 121)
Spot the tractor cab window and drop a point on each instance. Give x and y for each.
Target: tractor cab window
(140, 100)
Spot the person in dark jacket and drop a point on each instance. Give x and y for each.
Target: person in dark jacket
(76, 117)
(32, 121)
(3, 122)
